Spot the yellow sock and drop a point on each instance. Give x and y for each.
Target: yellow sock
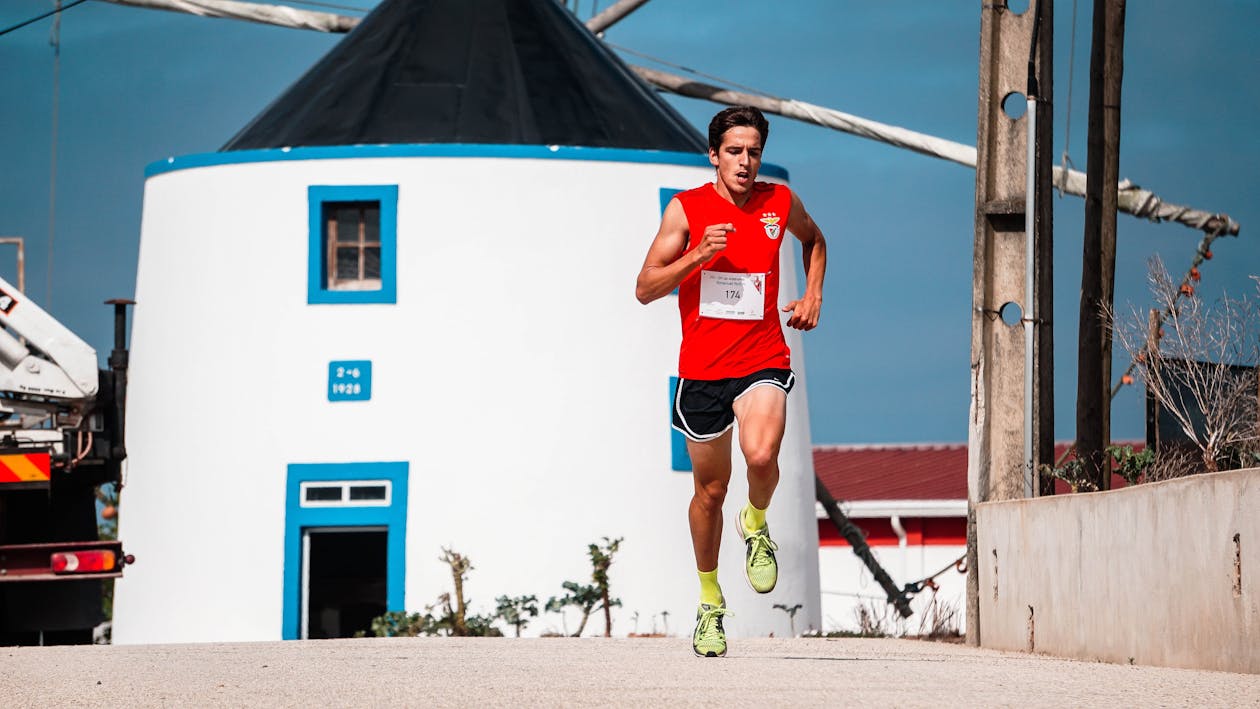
(753, 518)
(710, 591)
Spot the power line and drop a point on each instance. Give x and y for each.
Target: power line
(1067, 129)
(54, 38)
(689, 70)
(50, 13)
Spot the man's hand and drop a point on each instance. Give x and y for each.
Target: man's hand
(713, 241)
(804, 312)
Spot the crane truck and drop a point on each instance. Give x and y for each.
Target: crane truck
(61, 438)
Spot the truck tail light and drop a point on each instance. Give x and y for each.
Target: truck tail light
(83, 562)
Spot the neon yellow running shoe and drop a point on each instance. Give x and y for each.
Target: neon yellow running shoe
(709, 638)
(760, 567)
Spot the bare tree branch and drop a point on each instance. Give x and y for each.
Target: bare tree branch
(1201, 370)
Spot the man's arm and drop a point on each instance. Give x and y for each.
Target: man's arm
(663, 270)
(805, 311)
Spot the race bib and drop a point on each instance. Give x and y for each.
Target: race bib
(732, 296)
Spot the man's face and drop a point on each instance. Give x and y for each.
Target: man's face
(738, 159)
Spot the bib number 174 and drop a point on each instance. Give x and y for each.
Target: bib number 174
(732, 296)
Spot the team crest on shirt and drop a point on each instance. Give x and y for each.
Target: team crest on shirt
(771, 221)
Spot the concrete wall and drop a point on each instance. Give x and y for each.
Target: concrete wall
(1162, 574)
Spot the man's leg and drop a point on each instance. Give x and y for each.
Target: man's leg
(711, 473)
(761, 412)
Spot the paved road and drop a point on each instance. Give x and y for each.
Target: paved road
(586, 672)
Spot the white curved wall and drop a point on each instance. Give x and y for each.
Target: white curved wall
(516, 375)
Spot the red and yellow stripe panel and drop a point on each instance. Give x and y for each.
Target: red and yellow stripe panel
(24, 467)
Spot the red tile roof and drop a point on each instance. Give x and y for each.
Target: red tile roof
(893, 471)
(918, 471)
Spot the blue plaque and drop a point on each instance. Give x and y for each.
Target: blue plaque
(350, 380)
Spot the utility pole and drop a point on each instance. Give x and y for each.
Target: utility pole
(998, 467)
(1098, 266)
(1043, 405)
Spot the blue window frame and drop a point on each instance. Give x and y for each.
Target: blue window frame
(679, 459)
(383, 199)
(666, 194)
(388, 511)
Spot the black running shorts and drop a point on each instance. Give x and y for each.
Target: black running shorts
(703, 408)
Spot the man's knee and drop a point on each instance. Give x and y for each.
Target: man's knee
(711, 493)
(761, 458)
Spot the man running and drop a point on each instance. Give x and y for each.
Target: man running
(718, 244)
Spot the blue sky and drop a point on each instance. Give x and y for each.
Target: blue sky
(889, 362)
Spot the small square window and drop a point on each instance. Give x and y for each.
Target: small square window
(354, 250)
(346, 493)
(323, 494)
(368, 492)
(352, 244)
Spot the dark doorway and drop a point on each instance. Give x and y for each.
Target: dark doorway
(345, 583)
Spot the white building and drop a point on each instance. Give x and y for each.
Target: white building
(394, 314)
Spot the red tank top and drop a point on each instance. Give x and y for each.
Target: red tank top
(714, 345)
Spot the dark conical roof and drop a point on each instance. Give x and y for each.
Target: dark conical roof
(470, 71)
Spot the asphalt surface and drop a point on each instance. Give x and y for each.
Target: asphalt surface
(584, 672)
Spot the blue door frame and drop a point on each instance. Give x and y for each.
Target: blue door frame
(298, 519)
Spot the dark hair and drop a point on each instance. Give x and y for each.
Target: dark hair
(734, 116)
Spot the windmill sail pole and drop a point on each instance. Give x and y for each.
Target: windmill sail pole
(612, 14)
(294, 18)
(1132, 199)
(262, 13)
